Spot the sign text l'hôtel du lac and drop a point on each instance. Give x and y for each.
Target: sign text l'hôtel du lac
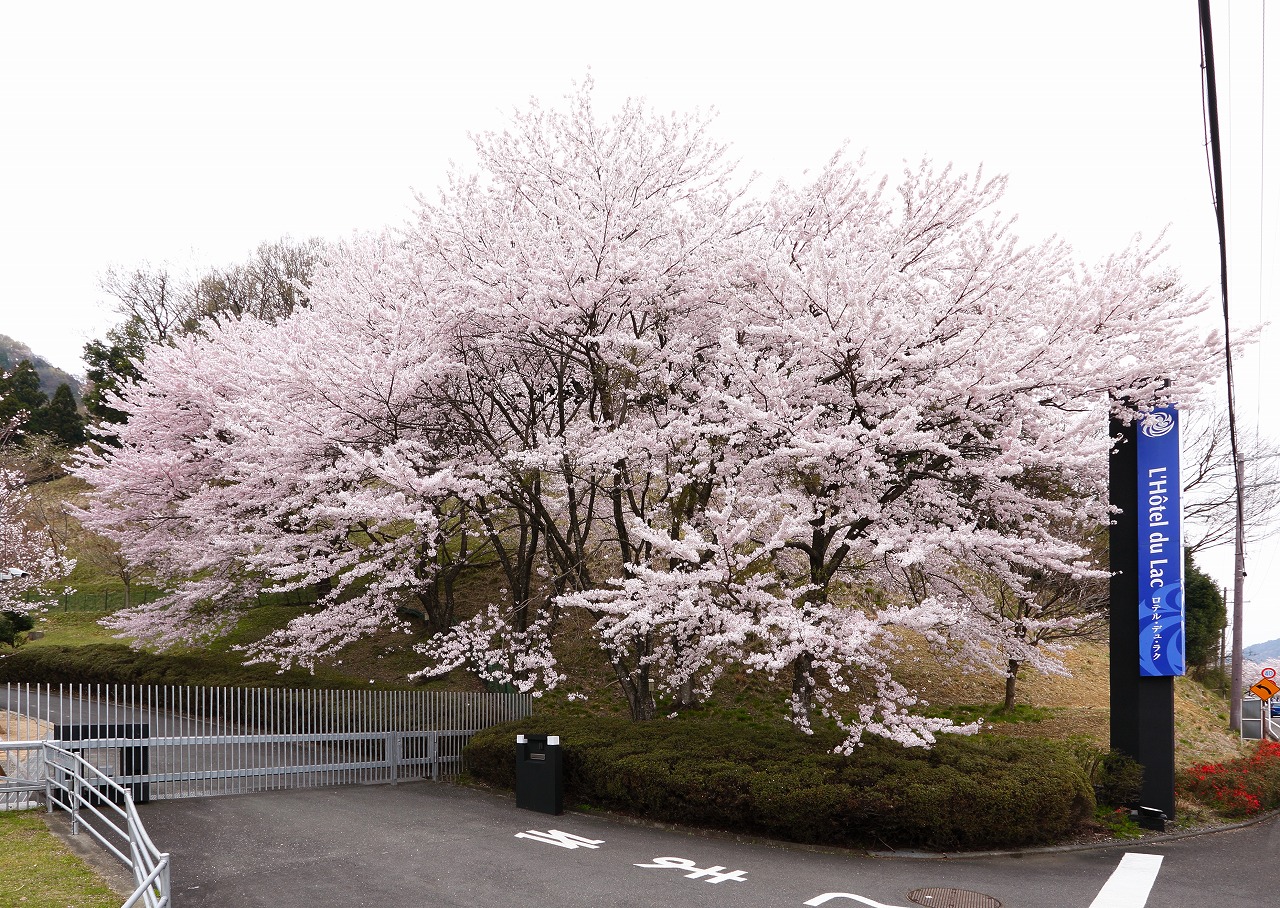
(1161, 631)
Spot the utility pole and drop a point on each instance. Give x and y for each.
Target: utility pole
(1215, 147)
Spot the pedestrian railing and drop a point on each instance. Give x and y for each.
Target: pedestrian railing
(98, 805)
(22, 774)
(106, 811)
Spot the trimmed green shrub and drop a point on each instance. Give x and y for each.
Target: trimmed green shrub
(1118, 781)
(1116, 777)
(976, 792)
(12, 624)
(115, 663)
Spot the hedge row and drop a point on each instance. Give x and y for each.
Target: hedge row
(115, 663)
(977, 792)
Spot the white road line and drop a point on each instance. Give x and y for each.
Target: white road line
(828, 896)
(1131, 882)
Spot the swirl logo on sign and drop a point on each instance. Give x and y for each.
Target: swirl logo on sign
(1157, 425)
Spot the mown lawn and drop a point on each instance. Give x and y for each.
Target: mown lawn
(71, 629)
(37, 870)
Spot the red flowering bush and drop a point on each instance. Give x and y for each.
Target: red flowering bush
(1237, 787)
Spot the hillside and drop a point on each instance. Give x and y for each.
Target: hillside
(1062, 708)
(1263, 653)
(1052, 706)
(13, 352)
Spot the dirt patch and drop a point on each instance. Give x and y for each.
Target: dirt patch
(15, 727)
(1079, 703)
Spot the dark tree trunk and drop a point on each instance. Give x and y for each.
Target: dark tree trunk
(638, 691)
(802, 686)
(686, 697)
(1011, 683)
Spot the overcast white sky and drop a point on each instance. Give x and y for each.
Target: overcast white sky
(190, 133)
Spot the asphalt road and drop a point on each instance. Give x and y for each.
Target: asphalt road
(432, 844)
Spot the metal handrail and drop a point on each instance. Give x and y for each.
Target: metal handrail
(71, 775)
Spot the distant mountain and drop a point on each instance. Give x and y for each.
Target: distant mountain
(1264, 653)
(13, 352)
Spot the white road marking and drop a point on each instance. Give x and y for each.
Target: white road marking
(1131, 882)
(560, 839)
(828, 896)
(715, 874)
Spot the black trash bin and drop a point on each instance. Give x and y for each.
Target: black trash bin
(134, 760)
(539, 774)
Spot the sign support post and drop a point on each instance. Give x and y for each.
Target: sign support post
(1147, 635)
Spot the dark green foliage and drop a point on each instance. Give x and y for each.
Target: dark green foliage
(60, 419)
(115, 663)
(12, 624)
(112, 364)
(768, 780)
(20, 392)
(1206, 615)
(1116, 777)
(1118, 780)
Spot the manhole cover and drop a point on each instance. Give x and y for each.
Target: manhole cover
(952, 898)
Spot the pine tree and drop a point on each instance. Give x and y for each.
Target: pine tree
(21, 394)
(60, 418)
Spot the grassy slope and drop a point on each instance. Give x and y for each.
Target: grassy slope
(1064, 707)
(39, 872)
(1068, 706)
(1079, 705)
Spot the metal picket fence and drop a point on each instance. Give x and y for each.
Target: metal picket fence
(175, 742)
(98, 750)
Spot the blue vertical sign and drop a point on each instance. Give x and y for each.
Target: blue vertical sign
(1161, 617)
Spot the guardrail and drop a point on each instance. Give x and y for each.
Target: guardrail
(100, 805)
(22, 773)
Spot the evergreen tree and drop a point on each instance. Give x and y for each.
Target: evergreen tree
(113, 363)
(1206, 615)
(60, 418)
(20, 393)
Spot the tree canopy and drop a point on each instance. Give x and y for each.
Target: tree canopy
(31, 412)
(158, 304)
(1206, 615)
(770, 431)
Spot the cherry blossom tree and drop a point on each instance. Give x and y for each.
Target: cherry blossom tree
(29, 560)
(769, 431)
(332, 478)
